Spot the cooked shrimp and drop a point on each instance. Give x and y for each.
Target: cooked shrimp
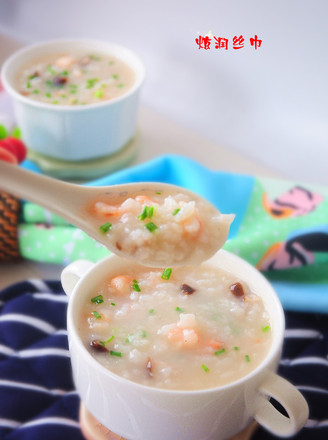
(192, 225)
(183, 337)
(214, 344)
(121, 284)
(65, 62)
(99, 320)
(145, 200)
(106, 209)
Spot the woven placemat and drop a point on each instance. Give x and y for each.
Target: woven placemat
(9, 248)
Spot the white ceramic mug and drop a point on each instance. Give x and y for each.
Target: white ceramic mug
(138, 412)
(81, 132)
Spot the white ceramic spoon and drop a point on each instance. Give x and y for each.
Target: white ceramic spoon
(75, 204)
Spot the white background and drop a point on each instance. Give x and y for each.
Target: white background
(269, 105)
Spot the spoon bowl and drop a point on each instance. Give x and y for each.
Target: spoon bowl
(79, 206)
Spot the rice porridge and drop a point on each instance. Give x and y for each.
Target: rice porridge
(179, 328)
(158, 229)
(75, 78)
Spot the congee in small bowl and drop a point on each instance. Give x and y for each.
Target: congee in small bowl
(75, 100)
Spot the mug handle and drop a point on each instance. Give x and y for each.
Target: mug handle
(71, 275)
(289, 397)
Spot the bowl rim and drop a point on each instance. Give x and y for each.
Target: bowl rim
(70, 108)
(273, 354)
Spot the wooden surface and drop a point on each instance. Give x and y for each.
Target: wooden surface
(93, 430)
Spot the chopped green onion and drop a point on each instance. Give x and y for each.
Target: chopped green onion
(151, 311)
(50, 83)
(103, 343)
(176, 211)
(98, 93)
(129, 338)
(105, 227)
(63, 95)
(148, 211)
(51, 70)
(97, 299)
(36, 91)
(116, 353)
(96, 314)
(111, 62)
(48, 95)
(135, 286)
(55, 101)
(120, 85)
(247, 358)
(112, 304)
(151, 226)
(266, 328)
(205, 368)
(179, 309)
(166, 274)
(64, 73)
(158, 192)
(236, 348)
(73, 88)
(223, 350)
(34, 75)
(115, 76)
(95, 58)
(91, 82)
(28, 84)
(143, 334)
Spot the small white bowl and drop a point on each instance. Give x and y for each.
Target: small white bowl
(81, 132)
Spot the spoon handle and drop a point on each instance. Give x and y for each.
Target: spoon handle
(55, 195)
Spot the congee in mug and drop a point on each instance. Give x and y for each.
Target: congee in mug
(75, 78)
(178, 353)
(181, 328)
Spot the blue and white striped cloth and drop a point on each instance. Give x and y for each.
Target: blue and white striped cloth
(37, 396)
